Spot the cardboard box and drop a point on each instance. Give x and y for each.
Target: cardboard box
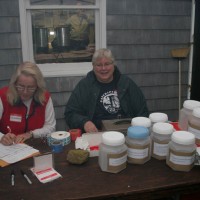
(120, 125)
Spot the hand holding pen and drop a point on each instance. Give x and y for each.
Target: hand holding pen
(8, 138)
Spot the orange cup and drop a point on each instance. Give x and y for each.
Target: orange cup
(74, 133)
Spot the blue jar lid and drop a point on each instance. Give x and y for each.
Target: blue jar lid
(137, 132)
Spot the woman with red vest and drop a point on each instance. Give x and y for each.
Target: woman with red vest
(26, 108)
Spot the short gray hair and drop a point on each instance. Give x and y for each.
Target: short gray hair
(102, 53)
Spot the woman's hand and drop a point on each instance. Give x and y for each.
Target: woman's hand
(22, 137)
(8, 139)
(89, 127)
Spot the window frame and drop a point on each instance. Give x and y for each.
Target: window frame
(60, 69)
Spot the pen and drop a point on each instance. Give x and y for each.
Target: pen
(9, 131)
(12, 178)
(26, 177)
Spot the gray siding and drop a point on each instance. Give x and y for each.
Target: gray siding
(141, 34)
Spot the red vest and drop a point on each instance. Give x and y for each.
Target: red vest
(15, 116)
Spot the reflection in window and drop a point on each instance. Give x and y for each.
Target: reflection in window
(63, 36)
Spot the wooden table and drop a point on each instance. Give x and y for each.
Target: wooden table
(152, 180)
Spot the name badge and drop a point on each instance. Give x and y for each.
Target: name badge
(15, 118)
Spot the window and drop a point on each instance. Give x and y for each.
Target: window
(61, 35)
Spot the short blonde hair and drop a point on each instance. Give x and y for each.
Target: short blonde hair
(102, 53)
(27, 69)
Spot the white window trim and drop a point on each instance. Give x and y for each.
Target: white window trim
(60, 69)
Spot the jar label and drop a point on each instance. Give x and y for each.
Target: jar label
(160, 149)
(117, 162)
(181, 158)
(138, 153)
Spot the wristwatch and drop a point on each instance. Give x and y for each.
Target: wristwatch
(30, 133)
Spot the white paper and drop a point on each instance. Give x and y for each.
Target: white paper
(43, 168)
(16, 152)
(43, 161)
(46, 175)
(81, 143)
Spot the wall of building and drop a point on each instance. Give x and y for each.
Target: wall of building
(141, 34)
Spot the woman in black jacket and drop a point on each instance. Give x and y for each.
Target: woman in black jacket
(103, 94)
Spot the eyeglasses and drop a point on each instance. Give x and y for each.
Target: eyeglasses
(107, 64)
(28, 89)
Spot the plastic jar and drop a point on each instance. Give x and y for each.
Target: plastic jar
(182, 149)
(194, 124)
(112, 152)
(158, 117)
(185, 112)
(161, 136)
(138, 143)
(141, 121)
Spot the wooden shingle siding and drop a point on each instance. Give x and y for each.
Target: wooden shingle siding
(141, 34)
(10, 56)
(10, 24)
(9, 8)
(146, 7)
(150, 66)
(62, 84)
(10, 39)
(151, 22)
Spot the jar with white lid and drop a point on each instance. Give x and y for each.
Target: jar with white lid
(194, 124)
(139, 145)
(141, 121)
(186, 112)
(157, 117)
(112, 152)
(182, 150)
(161, 136)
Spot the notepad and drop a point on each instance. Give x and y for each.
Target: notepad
(16, 152)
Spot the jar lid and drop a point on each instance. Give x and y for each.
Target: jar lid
(158, 117)
(141, 121)
(191, 104)
(113, 138)
(137, 132)
(196, 112)
(163, 128)
(183, 137)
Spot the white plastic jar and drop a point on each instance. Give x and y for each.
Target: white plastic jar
(186, 112)
(161, 136)
(158, 117)
(182, 150)
(138, 143)
(141, 121)
(194, 124)
(112, 152)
